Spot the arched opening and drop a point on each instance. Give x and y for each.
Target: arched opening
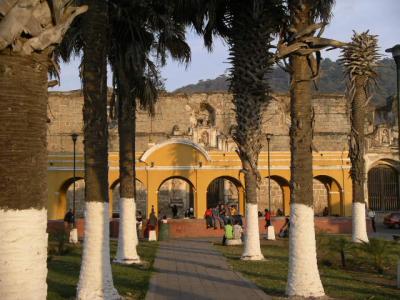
(327, 195)
(67, 196)
(280, 195)
(141, 198)
(224, 190)
(175, 192)
(383, 188)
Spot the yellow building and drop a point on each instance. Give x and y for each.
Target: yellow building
(187, 158)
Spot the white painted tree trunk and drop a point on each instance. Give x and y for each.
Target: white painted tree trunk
(127, 235)
(252, 249)
(23, 254)
(359, 228)
(95, 278)
(303, 277)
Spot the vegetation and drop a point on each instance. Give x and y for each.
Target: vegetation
(359, 280)
(359, 59)
(131, 281)
(331, 80)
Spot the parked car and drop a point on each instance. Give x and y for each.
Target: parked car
(392, 220)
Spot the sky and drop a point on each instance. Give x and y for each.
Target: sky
(381, 17)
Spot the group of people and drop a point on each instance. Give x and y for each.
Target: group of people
(219, 215)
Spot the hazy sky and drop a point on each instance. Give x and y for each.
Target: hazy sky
(381, 17)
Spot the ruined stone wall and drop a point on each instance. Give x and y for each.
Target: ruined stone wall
(177, 115)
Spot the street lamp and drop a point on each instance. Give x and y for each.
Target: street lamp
(74, 137)
(269, 136)
(395, 50)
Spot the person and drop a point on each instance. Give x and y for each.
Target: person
(191, 212)
(371, 215)
(164, 219)
(259, 214)
(139, 224)
(279, 213)
(174, 211)
(69, 219)
(228, 234)
(284, 232)
(222, 213)
(237, 231)
(208, 216)
(215, 216)
(267, 216)
(325, 213)
(233, 211)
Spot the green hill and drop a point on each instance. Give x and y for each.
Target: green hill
(331, 81)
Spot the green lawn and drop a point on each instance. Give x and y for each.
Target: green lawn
(359, 280)
(131, 281)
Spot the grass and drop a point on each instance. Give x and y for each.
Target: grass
(359, 280)
(131, 281)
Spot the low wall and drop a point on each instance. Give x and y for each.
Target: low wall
(182, 228)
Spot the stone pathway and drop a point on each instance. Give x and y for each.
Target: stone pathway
(192, 269)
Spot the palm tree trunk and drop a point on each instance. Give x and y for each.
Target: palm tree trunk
(357, 172)
(23, 173)
(303, 276)
(127, 238)
(95, 280)
(252, 249)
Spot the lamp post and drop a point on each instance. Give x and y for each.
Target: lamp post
(74, 137)
(395, 50)
(269, 136)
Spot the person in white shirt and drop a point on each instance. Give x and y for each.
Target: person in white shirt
(371, 215)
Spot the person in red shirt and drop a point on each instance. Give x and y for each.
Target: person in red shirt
(209, 219)
(267, 218)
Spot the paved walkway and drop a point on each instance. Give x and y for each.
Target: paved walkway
(192, 269)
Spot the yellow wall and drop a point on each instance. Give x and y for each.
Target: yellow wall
(192, 163)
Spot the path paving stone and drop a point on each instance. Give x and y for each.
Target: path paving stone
(192, 269)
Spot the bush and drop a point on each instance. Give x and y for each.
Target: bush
(377, 250)
(58, 244)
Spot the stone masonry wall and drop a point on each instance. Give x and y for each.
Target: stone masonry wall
(330, 128)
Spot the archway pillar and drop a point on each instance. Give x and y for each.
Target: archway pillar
(241, 199)
(286, 200)
(200, 201)
(110, 201)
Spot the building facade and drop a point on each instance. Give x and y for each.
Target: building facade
(185, 156)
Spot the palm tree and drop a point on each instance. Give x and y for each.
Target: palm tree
(249, 37)
(150, 27)
(360, 58)
(248, 28)
(26, 49)
(299, 44)
(95, 279)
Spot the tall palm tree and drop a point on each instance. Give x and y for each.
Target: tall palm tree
(138, 27)
(28, 32)
(248, 28)
(360, 59)
(252, 25)
(299, 43)
(95, 279)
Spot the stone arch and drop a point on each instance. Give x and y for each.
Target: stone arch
(383, 186)
(207, 111)
(141, 197)
(280, 195)
(175, 190)
(66, 196)
(189, 143)
(329, 193)
(225, 190)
